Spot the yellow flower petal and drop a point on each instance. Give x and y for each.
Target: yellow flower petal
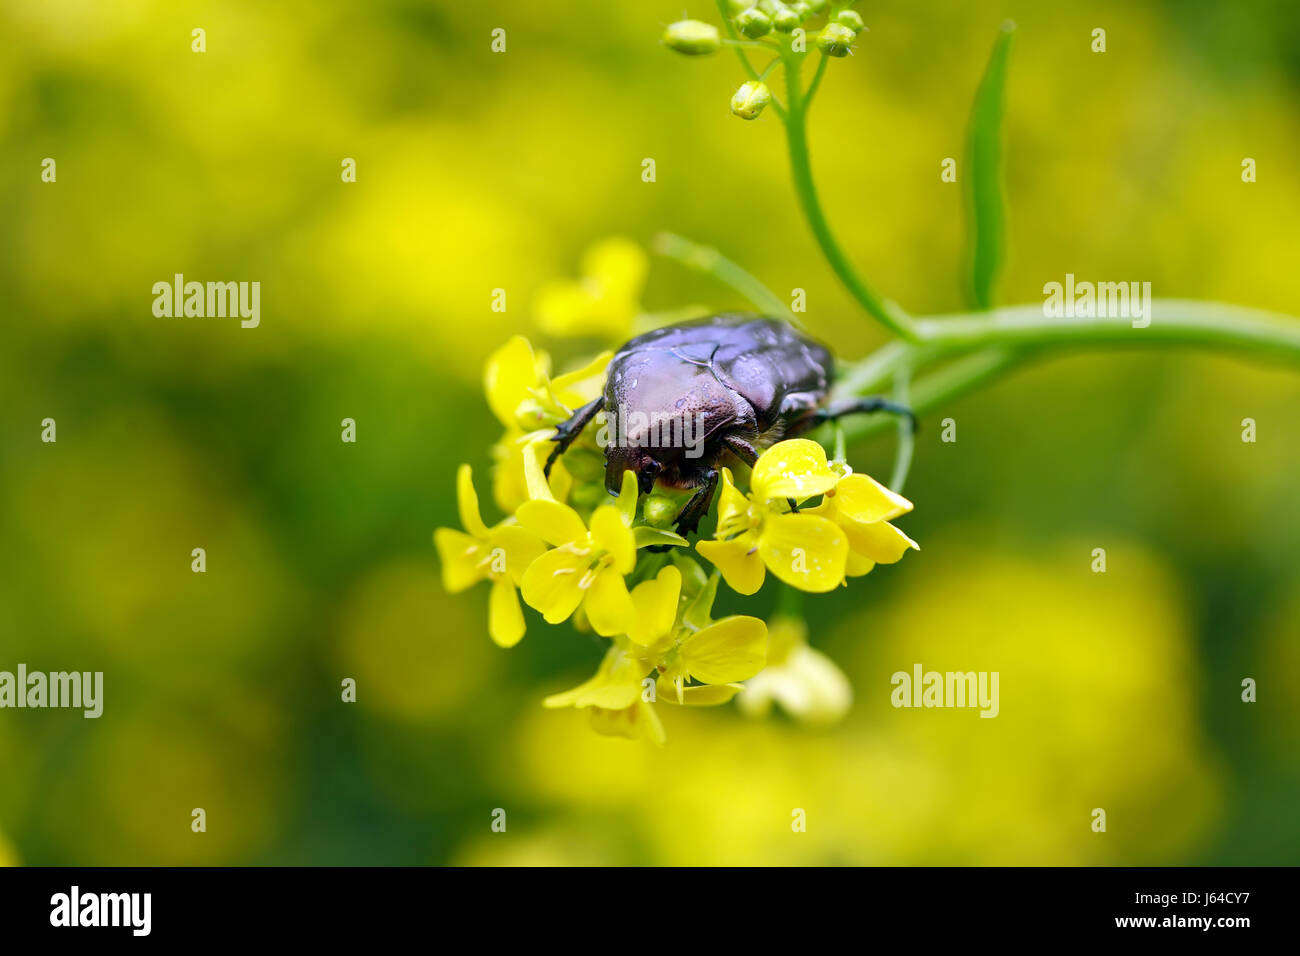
(577, 388)
(635, 722)
(511, 372)
(550, 584)
(732, 503)
(805, 551)
(553, 522)
(795, 468)
(856, 565)
(467, 502)
(879, 541)
(505, 616)
(512, 473)
(655, 607)
(708, 695)
(732, 649)
(738, 560)
(670, 685)
(608, 605)
(513, 550)
(609, 533)
(460, 556)
(627, 496)
(539, 489)
(862, 498)
(615, 685)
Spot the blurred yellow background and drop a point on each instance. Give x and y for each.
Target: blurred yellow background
(479, 170)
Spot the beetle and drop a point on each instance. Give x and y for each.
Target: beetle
(685, 395)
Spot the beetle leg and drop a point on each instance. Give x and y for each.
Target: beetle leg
(744, 449)
(566, 432)
(854, 406)
(688, 519)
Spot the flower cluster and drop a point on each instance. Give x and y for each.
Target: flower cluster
(612, 566)
(773, 24)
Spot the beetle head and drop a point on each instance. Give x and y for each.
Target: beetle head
(619, 459)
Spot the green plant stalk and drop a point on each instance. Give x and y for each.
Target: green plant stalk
(986, 345)
(1172, 322)
(978, 346)
(906, 431)
(796, 133)
(711, 262)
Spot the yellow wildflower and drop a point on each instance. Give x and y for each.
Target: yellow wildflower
(805, 682)
(586, 566)
(499, 554)
(616, 696)
(690, 645)
(677, 640)
(529, 403)
(522, 394)
(862, 507)
(588, 561)
(758, 532)
(509, 482)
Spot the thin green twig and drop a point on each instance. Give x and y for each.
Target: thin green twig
(887, 313)
(1170, 322)
(708, 260)
(906, 431)
(816, 82)
(739, 47)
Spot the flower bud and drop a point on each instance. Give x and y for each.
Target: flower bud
(816, 6)
(851, 19)
(786, 20)
(754, 23)
(802, 9)
(750, 99)
(738, 7)
(692, 37)
(835, 39)
(659, 511)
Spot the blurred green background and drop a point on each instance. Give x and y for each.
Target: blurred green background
(479, 171)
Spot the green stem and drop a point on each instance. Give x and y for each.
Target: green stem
(712, 262)
(739, 47)
(816, 82)
(888, 314)
(985, 345)
(1172, 322)
(906, 433)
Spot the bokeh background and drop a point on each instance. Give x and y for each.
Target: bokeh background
(479, 171)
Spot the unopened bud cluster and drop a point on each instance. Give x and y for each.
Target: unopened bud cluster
(769, 23)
